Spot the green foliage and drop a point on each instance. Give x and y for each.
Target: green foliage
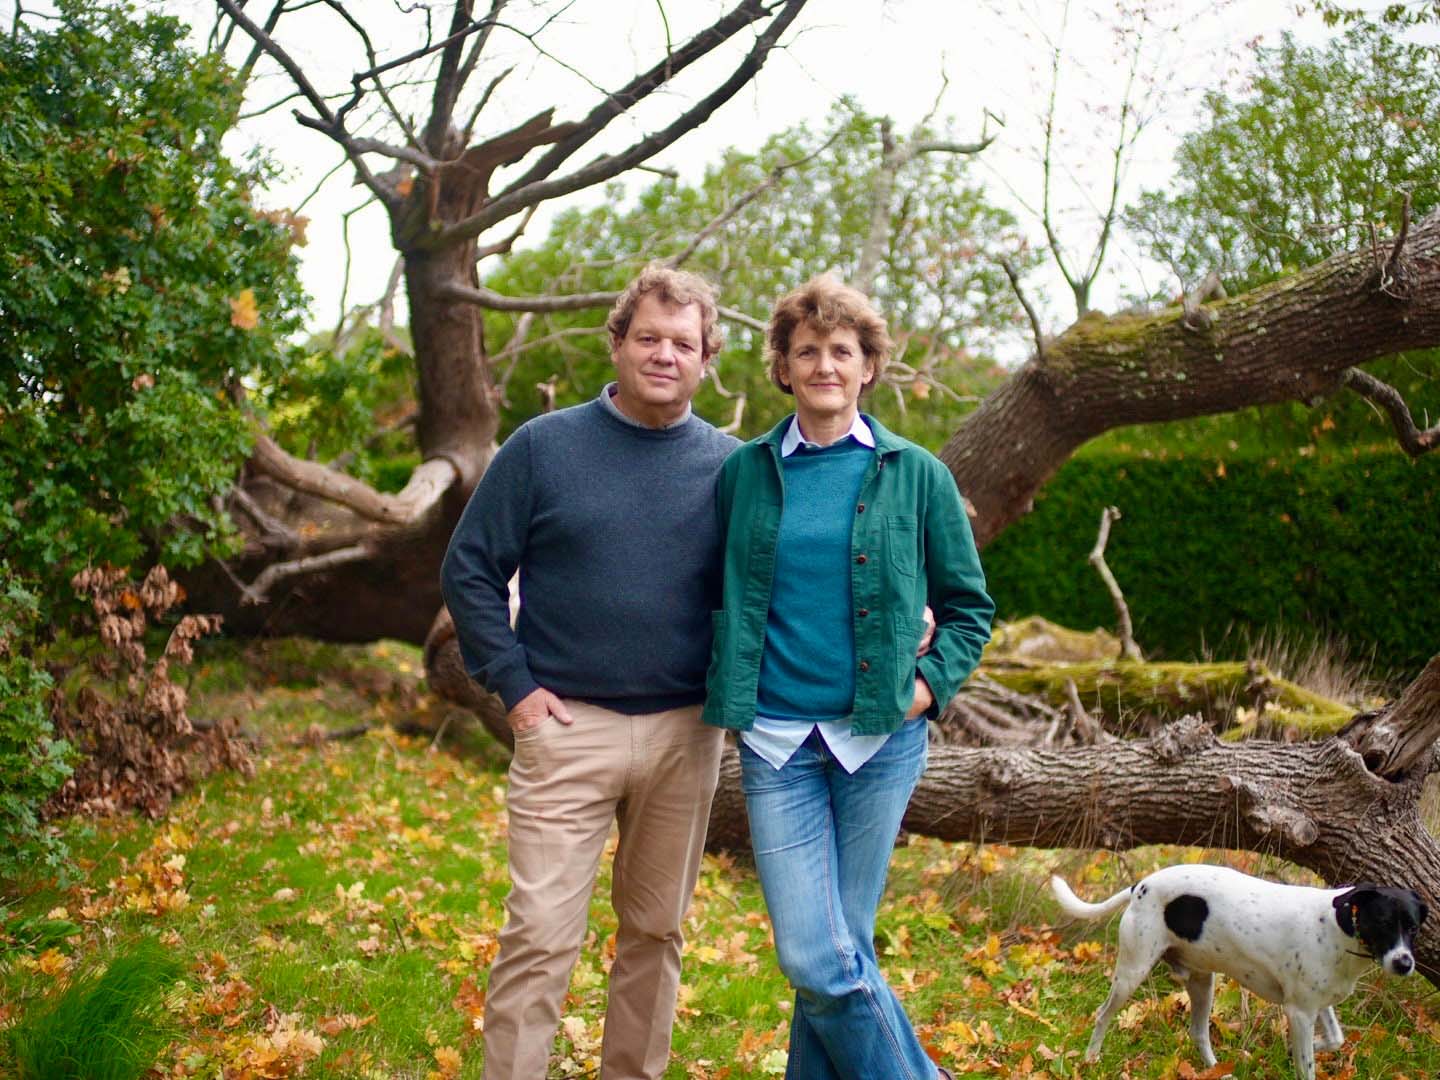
(33, 763)
(1341, 544)
(347, 401)
(1318, 150)
(137, 286)
(109, 1025)
(941, 287)
(1305, 163)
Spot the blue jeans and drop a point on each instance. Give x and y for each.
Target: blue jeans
(822, 840)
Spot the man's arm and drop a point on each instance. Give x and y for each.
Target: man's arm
(484, 552)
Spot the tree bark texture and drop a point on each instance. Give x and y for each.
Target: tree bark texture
(1291, 340)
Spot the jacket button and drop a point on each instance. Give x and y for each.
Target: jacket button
(863, 612)
(860, 559)
(860, 509)
(864, 665)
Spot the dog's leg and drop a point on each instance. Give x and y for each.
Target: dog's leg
(1302, 1040)
(1130, 972)
(1332, 1037)
(1201, 987)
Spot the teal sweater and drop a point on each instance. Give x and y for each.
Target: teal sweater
(807, 672)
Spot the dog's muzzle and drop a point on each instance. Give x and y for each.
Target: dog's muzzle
(1400, 963)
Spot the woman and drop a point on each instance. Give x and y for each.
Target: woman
(838, 534)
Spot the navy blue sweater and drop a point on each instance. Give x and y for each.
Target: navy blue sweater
(613, 528)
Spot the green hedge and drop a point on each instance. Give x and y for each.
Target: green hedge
(1347, 545)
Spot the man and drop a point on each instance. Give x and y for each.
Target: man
(607, 509)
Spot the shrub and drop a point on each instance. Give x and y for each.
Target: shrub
(123, 711)
(1343, 546)
(33, 762)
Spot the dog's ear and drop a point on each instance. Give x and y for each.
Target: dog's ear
(1344, 914)
(1347, 906)
(1421, 909)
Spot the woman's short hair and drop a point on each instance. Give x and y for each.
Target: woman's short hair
(824, 304)
(674, 287)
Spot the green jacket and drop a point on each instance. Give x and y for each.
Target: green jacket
(911, 545)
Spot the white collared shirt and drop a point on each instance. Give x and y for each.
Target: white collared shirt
(793, 440)
(777, 740)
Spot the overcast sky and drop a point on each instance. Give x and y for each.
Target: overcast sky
(892, 56)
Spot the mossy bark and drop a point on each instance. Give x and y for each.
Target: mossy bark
(1291, 340)
(1137, 696)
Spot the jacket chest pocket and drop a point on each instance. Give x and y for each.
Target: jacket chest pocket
(902, 544)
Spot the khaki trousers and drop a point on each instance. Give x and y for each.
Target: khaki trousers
(655, 774)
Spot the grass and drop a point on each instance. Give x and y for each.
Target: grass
(109, 1024)
(335, 915)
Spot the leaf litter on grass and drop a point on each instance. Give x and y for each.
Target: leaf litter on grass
(337, 913)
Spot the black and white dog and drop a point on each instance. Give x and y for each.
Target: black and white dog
(1300, 947)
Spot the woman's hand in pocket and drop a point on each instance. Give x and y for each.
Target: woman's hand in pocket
(923, 698)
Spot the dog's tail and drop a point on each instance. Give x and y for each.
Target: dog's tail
(1079, 909)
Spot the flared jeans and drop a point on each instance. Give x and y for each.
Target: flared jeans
(823, 839)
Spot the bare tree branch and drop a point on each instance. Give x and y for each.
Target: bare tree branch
(771, 179)
(494, 301)
(1196, 317)
(421, 494)
(740, 317)
(468, 68)
(447, 80)
(273, 532)
(357, 90)
(502, 247)
(258, 591)
(1014, 277)
(533, 188)
(1412, 440)
(480, 105)
(1392, 274)
(327, 122)
(242, 73)
(737, 396)
(1128, 649)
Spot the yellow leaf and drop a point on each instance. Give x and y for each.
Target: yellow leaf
(773, 1063)
(448, 1059)
(52, 962)
(243, 312)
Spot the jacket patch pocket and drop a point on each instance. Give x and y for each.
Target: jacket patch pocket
(908, 633)
(902, 538)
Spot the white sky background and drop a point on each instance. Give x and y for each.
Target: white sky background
(888, 54)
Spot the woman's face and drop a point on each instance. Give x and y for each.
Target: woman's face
(826, 370)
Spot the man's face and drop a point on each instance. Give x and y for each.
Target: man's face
(659, 364)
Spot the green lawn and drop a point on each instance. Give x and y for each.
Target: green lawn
(336, 913)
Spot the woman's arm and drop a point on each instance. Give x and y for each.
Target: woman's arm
(955, 588)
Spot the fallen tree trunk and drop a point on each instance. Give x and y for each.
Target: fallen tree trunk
(1316, 804)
